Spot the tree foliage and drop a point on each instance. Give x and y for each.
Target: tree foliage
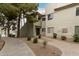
(9, 11)
(27, 7)
(13, 10)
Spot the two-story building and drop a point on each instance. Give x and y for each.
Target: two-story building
(62, 20)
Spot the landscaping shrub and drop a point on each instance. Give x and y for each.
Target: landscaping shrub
(0, 36)
(54, 35)
(76, 38)
(63, 37)
(44, 44)
(29, 38)
(39, 36)
(35, 40)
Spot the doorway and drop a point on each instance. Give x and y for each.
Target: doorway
(37, 31)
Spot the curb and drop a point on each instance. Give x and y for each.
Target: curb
(29, 49)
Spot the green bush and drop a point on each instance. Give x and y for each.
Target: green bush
(54, 35)
(44, 44)
(76, 38)
(35, 40)
(29, 38)
(0, 36)
(63, 37)
(39, 36)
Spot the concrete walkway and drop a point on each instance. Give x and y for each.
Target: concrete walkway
(67, 48)
(15, 47)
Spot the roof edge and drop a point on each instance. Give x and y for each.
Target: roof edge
(66, 6)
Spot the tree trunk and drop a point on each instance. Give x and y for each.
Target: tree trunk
(18, 28)
(8, 29)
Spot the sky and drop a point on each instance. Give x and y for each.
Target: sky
(42, 7)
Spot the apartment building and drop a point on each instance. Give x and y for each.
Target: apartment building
(63, 20)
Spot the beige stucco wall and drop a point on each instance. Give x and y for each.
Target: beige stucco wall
(50, 7)
(49, 23)
(65, 18)
(43, 24)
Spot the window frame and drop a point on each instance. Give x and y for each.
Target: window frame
(50, 16)
(77, 11)
(43, 17)
(49, 29)
(43, 29)
(64, 30)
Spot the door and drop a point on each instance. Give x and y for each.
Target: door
(37, 31)
(77, 30)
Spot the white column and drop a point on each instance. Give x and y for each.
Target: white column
(46, 24)
(41, 26)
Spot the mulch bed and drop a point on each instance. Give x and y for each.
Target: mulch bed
(2, 42)
(39, 49)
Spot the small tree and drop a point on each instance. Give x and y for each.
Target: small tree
(44, 44)
(76, 38)
(39, 36)
(63, 37)
(29, 38)
(54, 35)
(35, 40)
(0, 36)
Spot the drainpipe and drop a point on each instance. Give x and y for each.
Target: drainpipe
(41, 26)
(46, 24)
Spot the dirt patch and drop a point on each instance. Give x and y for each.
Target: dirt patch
(39, 50)
(2, 42)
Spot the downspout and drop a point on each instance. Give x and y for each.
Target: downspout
(46, 25)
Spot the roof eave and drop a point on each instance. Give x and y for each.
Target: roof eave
(66, 6)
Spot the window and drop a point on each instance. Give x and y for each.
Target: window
(50, 29)
(77, 11)
(43, 18)
(43, 29)
(43, 15)
(64, 30)
(50, 16)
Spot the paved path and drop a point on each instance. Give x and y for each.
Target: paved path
(15, 47)
(67, 48)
